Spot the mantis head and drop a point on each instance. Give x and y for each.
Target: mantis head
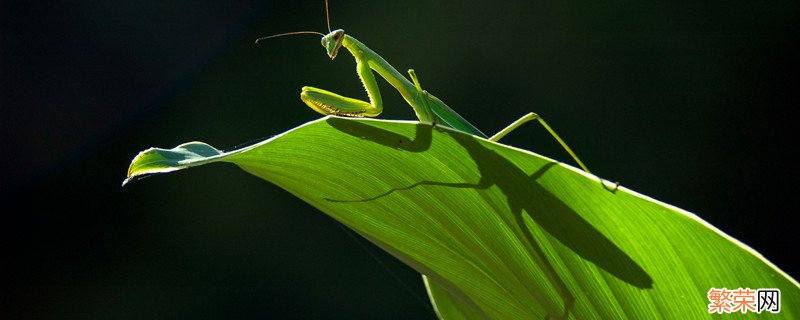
(332, 42)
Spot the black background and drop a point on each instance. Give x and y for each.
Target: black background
(687, 102)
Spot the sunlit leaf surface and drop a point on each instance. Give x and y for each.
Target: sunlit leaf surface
(500, 233)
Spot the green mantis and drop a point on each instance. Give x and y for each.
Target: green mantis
(427, 107)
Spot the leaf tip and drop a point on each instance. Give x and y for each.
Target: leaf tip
(156, 160)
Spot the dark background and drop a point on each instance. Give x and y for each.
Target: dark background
(687, 102)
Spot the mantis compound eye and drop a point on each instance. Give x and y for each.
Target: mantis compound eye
(337, 35)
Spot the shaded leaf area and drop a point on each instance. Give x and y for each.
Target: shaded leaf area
(499, 232)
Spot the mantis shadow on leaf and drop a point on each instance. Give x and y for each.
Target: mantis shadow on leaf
(525, 196)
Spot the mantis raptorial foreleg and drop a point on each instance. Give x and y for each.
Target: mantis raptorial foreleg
(327, 102)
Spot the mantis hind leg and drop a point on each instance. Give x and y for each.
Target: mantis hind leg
(533, 116)
(530, 117)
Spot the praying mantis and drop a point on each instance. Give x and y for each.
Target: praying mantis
(428, 108)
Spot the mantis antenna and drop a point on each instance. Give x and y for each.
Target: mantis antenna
(327, 20)
(327, 16)
(289, 34)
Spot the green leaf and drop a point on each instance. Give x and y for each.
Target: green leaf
(500, 232)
